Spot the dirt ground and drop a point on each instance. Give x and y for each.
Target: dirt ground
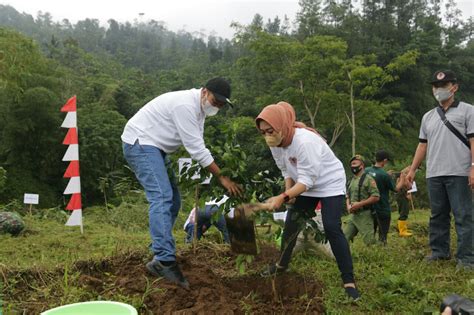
(216, 285)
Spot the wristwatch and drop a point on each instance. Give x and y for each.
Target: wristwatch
(286, 198)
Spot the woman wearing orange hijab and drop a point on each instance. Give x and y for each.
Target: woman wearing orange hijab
(312, 173)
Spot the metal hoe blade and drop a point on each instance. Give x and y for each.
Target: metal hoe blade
(242, 228)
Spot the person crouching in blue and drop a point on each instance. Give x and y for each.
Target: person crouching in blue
(204, 221)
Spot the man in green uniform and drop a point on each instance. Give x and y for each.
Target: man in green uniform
(11, 222)
(385, 184)
(362, 192)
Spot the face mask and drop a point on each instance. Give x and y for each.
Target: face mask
(208, 109)
(356, 169)
(442, 94)
(274, 140)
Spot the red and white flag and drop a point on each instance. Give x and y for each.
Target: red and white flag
(73, 188)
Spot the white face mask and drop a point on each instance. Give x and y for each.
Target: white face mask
(208, 109)
(442, 94)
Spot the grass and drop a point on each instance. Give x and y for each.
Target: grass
(48, 243)
(392, 279)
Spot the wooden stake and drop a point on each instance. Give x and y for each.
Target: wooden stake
(31, 206)
(196, 204)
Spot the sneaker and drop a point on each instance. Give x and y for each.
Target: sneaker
(430, 259)
(171, 273)
(353, 293)
(272, 270)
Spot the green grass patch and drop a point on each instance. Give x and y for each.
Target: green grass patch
(392, 278)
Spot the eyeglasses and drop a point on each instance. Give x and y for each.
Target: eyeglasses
(269, 131)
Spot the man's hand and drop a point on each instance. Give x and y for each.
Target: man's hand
(410, 177)
(275, 202)
(355, 206)
(404, 179)
(471, 178)
(232, 187)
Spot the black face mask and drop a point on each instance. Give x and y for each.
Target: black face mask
(356, 169)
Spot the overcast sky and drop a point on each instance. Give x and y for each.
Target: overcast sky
(192, 15)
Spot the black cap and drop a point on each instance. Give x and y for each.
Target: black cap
(381, 155)
(441, 76)
(220, 88)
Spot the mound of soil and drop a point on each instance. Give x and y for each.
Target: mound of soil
(216, 286)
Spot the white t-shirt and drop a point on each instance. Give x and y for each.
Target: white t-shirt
(169, 121)
(310, 161)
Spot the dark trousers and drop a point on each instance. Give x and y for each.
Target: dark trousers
(331, 210)
(451, 193)
(382, 224)
(403, 206)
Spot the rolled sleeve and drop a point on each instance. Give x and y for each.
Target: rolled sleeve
(423, 136)
(470, 122)
(372, 187)
(187, 125)
(308, 168)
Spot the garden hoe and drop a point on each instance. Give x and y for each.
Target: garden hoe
(242, 229)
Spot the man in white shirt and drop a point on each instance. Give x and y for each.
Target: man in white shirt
(158, 129)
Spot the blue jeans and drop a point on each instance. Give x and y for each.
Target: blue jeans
(205, 222)
(151, 167)
(451, 193)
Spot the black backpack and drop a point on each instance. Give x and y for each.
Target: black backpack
(361, 182)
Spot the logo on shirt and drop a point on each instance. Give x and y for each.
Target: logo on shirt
(293, 161)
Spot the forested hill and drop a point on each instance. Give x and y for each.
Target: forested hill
(378, 58)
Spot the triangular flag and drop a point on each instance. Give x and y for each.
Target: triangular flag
(72, 153)
(71, 137)
(72, 170)
(75, 218)
(74, 186)
(70, 105)
(70, 121)
(75, 202)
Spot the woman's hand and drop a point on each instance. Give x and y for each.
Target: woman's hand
(276, 202)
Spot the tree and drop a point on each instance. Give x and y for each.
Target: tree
(366, 80)
(309, 18)
(100, 146)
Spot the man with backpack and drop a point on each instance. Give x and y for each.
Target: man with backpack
(362, 193)
(447, 138)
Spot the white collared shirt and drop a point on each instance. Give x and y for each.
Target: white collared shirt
(310, 161)
(169, 121)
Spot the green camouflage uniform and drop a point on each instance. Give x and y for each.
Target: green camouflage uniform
(361, 221)
(11, 222)
(402, 201)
